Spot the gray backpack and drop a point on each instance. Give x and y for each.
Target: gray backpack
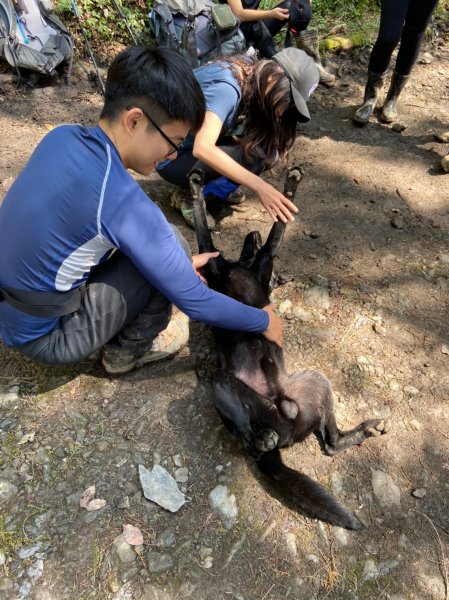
(196, 29)
(32, 37)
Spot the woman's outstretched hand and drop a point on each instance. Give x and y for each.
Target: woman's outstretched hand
(276, 204)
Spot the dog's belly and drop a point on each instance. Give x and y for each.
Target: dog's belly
(256, 380)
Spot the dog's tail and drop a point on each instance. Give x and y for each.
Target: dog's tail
(308, 496)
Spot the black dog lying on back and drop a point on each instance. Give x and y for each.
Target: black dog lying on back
(263, 406)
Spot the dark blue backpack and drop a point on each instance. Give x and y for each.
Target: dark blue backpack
(190, 27)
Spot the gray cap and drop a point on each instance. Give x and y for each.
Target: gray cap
(303, 75)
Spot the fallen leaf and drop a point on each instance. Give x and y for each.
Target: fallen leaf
(49, 127)
(96, 504)
(28, 437)
(87, 496)
(132, 535)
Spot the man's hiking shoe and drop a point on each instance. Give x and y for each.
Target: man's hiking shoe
(182, 201)
(118, 360)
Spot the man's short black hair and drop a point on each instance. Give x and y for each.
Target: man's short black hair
(159, 80)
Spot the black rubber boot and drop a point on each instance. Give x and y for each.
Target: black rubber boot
(389, 110)
(373, 86)
(309, 42)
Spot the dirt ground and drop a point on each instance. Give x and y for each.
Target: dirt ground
(367, 306)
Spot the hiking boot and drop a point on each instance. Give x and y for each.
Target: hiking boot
(389, 110)
(309, 42)
(236, 197)
(182, 201)
(373, 86)
(118, 360)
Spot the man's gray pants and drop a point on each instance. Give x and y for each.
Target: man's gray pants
(119, 306)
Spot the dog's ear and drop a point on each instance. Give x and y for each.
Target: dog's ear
(263, 263)
(251, 245)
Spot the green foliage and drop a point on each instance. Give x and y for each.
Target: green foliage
(346, 9)
(9, 540)
(102, 21)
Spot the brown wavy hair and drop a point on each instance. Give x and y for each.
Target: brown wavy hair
(269, 112)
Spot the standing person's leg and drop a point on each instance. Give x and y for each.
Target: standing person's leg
(119, 310)
(418, 16)
(392, 17)
(177, 172)
(257, 34)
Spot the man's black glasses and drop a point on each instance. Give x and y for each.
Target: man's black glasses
(175, 147)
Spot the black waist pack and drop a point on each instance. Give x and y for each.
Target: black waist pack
(43, 304)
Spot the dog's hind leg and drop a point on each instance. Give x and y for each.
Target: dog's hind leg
(312, 393)
(336, 440)
(203, 236)
(263, 265)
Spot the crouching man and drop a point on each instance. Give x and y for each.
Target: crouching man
(87, 260)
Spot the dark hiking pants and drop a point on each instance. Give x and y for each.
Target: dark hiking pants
(118, 305)
(177, 171)
(402, 21)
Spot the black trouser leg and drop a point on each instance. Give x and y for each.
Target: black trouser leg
(118, 303)
(177, 171)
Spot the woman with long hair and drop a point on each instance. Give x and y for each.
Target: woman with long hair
(250, 126)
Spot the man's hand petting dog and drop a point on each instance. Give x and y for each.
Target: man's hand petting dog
(200, 260)
(273, 333)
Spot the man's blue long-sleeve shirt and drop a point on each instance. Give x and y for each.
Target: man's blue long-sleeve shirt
(69, 208)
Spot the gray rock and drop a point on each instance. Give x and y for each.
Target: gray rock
(151, 592)
(166, 538)
(177, 460)
(410, 390)
(397, 222)
(419, 493)
(386, 491)
(285, 307)
(36, 570)
(337, 483)
(7, 491)
(124, 551)
(28, 551)
(340, 535)
(181, 475)
(124, 502)
(224, 504)
(302, 314)
(317, 296)
(25, 589)
(8, 424)
(41, 457)
(160, 487)
(158, 562)
(426, 58)
(9, 395)
(6, 585)
(290, 543)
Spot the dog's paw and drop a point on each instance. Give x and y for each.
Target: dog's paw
(377, 427)
(266, 440)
